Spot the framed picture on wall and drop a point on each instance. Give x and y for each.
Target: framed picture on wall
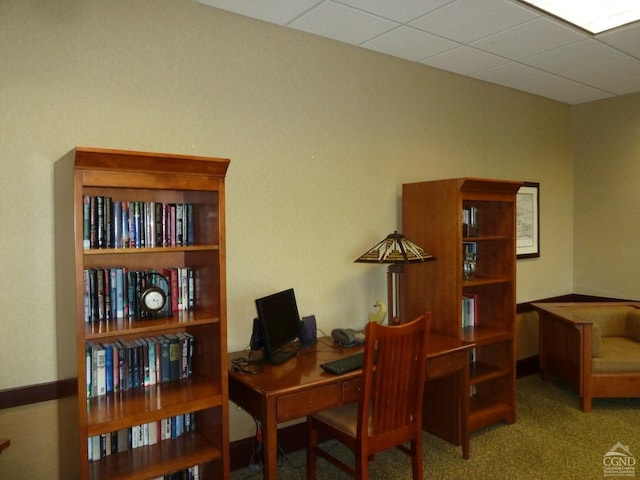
(528, 221)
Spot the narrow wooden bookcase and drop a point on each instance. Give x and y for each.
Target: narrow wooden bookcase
(432, 215)
(157, 179)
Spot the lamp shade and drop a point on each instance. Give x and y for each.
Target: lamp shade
(395, 248)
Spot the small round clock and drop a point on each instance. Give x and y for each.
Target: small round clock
(153, 299)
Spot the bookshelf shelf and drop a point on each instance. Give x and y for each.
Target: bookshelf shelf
(149, 250)
(160, 219)
(113, 412)
(485, 335)
(119, 327)
(481, 372)
(486, 411)
(432, 216)
(487, 238)
(152, 460)
(482, 280)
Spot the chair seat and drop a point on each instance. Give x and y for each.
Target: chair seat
(343, 418)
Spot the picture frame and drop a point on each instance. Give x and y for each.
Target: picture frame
(528, 221)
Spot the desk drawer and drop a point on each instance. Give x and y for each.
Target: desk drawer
(446, 364)
(300, 404)
(351, 390)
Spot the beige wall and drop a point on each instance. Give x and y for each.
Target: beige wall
(607, 197)
(43, 441)
(321, 136)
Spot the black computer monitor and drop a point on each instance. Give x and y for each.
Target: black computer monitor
(280, 324)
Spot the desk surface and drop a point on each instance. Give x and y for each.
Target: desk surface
(304, 369)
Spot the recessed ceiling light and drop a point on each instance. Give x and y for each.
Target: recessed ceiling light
(594, 16)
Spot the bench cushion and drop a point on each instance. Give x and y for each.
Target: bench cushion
(608, 321)
(611, 320)
(633, 324)
(618, 354)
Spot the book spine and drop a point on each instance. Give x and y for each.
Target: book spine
(86, 222)
(172, 224)
(190, 224)
(119, 292)
(191, 289)
(174, 357)
(137, 225)
(124, 219)
(184, 356)
(89, 368)
(86, 294)
(113, 292)
(100, 222)
(116, 224)
(184, 283)
(179, 224)
(108, 226)
(157, 222)
(108, 367)
(99, 370)
(100, 294)
(165, 370)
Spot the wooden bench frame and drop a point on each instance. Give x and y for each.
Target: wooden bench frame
(566, 351)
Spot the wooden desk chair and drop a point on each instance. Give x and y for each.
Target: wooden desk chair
(389, 411)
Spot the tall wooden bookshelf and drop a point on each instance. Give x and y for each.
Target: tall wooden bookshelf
(202, 397)
(432, 215)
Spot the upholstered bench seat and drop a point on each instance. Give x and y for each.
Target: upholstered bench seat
(617, 354)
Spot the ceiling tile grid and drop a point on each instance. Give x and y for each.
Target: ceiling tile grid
(498, 41)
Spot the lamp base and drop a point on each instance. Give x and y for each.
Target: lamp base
(395, 293)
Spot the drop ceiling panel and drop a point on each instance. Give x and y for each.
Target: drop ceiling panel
(342, 23)
(501, 41)
(465, 60)
(401, 12)
(409, 43)
(510, 74)
(536, 36)
(273, 11)
(626, 39)
(563, 90)
(623, 86)
(468, 20)
(573, 56)
(604, 74)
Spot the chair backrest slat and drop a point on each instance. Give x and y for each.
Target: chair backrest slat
(393, 388)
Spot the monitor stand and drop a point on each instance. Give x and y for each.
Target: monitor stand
(279, 356)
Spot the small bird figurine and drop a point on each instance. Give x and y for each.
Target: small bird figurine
(381, 313)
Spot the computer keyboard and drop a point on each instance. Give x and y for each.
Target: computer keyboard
(346, 364)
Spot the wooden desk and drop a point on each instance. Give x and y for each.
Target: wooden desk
(300, 387)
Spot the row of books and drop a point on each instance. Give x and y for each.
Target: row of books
(192, 473)
(469, 310)
(109, 223)
(101, 446)
(470, 221)
(469, 247)
(123, 365)
(114, 292)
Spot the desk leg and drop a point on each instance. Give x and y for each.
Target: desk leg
(464, 411)
(270, 440)
(446, 408)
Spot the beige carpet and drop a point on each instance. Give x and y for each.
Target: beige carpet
(551, 440)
